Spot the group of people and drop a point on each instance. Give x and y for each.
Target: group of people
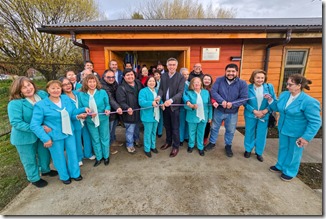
(77, 120)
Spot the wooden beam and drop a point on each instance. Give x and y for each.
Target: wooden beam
(295, 35)
(121, 36)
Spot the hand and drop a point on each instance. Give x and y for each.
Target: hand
(209, 121)
(224, 104)
(157, 99)
(268, 97)
(167, 103)
(194, 106)
(215, 104)
(163, 107)
(92, 114)
(48, 144)
(229, 105)
(301, 142)
(130, 111)
(258, 114)
(47, 129)
(107, 112)
(82, 116)
(154, 104)
(88, 110)
(119, 111)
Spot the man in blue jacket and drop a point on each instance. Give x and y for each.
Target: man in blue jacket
(230, 92)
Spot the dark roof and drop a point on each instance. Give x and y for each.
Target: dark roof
(189, 25)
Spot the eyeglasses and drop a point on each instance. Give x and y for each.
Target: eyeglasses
(71, 76)
(66, 84)
(289, 84)
(196, 66)
(110, 77)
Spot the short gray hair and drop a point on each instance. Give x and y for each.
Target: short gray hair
(183, 69)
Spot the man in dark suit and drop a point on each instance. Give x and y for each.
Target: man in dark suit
(113, 65)
(170, 91)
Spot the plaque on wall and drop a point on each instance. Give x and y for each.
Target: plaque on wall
(210, 54)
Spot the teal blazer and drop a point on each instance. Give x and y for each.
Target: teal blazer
(20, 113)
(208, 109)
(145, 99)
(46, 112)
(301, 118)
(76, 123)
(252, 104)
(101, 100)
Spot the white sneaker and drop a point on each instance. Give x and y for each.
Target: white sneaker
(92, 157)
(80, 163)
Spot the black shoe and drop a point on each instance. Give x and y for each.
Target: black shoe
(260, 158)
(97, 162)
(228, 150)
(40, 183)
(51, 173)
(137, 144)
(106, 161)
(201, 152)
(78, 178)
(209, 146)
(68, 181)
(274, 169)
(181, 143)
(148, 154)
(155, 151)
(186, 140)
(159, 136)
(189, 150)
(247, 154)
(286, 177)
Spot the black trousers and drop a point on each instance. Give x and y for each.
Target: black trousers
(171, 123)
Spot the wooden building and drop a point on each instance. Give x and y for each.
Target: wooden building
(281, 46)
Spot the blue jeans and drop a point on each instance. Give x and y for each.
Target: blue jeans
(113, 126)
(132, 133)
(230, 123)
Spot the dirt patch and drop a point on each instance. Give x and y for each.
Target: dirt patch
(309, 173)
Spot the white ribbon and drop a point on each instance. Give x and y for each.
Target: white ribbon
(200, 107)
(65, 122)
(156, 109)
(93, 107)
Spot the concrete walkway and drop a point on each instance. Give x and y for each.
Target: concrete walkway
(185, 185)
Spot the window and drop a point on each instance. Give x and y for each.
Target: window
(295, 63)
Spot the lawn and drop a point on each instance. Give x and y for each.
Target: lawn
(12, 175)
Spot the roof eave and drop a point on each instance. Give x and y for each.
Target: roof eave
(178, 29)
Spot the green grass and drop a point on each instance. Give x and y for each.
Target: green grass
(12, 175)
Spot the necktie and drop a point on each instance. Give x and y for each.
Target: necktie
(200, 107)
(65, 122)
(156, 109)
(93, 107)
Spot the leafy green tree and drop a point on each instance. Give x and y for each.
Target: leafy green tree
(137, 15)
(22, 46)
(182, 9)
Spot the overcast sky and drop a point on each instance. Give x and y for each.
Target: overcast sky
(115, 9)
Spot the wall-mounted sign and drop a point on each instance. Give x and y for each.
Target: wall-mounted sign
(210, 54)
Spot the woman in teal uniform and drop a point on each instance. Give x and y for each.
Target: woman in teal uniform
(199, 112)
(32, 153)
(299, 122)
(150, 117)
(93, 97)
(256, 114)
(56, 112)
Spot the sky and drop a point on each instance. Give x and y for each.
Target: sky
(115, 9)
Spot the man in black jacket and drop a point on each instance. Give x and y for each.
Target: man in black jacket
(110, 85)
(196, 72)
(170, 91)
(127, 97)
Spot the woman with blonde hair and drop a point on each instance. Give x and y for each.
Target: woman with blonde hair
(23, 96)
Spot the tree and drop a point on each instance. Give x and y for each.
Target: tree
(182, 9)
(137, 15)
(22, 46)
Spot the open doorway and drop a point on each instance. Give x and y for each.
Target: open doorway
(148, 56)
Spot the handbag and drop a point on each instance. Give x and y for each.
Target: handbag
(271, 118)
